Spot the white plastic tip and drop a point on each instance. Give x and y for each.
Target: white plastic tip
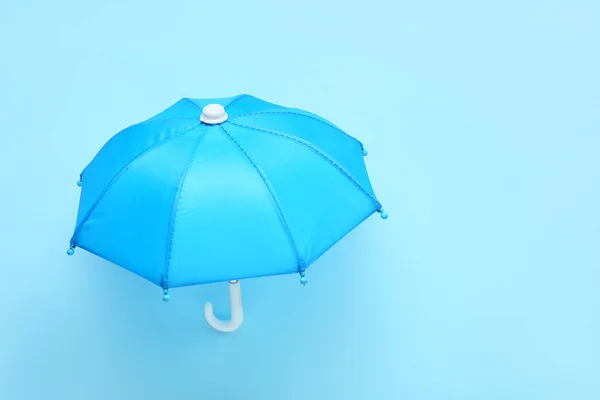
(213, 114)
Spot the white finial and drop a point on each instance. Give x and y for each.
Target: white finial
(213, 114)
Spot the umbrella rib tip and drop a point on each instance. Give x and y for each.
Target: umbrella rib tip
(303, 279)
(383, 214)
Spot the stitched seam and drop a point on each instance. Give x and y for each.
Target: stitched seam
(320, 153)
(329, 124)
(270, 110)
(276, 202)
(148, 121)
(225, 106)
(119, 174)
(192, 103)
(177, 198)
(241, 96)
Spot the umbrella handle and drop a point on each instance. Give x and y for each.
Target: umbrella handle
(237, 314)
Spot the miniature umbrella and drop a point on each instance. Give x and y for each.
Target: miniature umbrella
(222, 189)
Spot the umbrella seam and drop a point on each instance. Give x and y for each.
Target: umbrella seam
(323, 121)
(238, 97)
(176, 200)
(192, 103)
(119, 174)
(241, 96)
(319, 152)
(274, 198)
(147, 121)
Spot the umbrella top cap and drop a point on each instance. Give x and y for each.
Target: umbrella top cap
(213, 114)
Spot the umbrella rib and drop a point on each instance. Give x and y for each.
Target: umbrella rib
(119, 174)
(289, 112)
(192, 103)
(241, 96)
(146, 122)
(274, 198)
(319, 152)
(167, 263)
(238, 97)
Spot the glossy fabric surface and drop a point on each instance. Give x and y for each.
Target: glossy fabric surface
(266, 192)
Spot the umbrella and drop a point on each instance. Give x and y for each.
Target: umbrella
(222, 189)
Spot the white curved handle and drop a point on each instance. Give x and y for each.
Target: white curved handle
(237, 313)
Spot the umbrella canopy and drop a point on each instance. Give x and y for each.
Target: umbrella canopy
(222, 189)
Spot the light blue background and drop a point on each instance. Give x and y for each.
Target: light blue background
(483, 128)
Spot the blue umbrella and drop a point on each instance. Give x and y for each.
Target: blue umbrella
(222, 189)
